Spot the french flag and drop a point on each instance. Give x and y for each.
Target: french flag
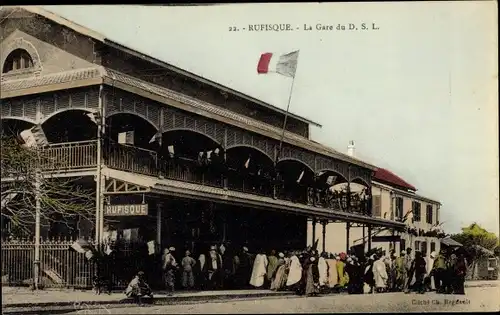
(285, 64)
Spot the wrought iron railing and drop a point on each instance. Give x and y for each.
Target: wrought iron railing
(62, 267)
(82, 155)
(69, 156)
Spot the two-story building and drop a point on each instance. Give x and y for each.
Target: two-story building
(392, 199)
(200, 162)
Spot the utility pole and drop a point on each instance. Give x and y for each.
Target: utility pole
(99, 212)
(38, 184)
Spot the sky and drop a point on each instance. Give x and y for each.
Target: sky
(419, 95)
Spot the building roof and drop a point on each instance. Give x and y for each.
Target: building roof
(450, 242)
(386, 176)
(103, 39)
(98, 74)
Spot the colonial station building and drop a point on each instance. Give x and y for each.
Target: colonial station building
(395, 199)
(172, 156)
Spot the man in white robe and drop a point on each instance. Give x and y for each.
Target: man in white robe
(380, 274)
(295, 272)
(429, 277)
(259, 270)
(323, 271)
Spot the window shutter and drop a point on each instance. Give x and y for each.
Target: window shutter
(377, 211)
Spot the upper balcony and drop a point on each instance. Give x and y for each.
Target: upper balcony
(75, 157)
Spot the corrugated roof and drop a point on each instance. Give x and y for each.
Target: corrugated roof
(101, 38)
(450, 242)
(386, 176)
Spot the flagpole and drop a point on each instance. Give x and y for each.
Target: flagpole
(286, 117)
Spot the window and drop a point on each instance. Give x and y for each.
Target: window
(377, 209)
(428, 214)
(433, 247)
(399, 207)
(402, 245)
(423, 248)
(437, 216)
(417, 245)
(18, 59)
(415, 207)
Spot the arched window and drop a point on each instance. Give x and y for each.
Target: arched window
(18, 59)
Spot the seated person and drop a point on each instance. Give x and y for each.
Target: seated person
(138, 288)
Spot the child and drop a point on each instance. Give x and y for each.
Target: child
(138, 288)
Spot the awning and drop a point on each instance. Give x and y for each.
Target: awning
(450, 242)
(202, 192)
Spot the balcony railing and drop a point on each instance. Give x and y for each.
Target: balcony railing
(69, 156)
(82, 155)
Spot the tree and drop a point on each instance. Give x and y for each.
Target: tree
(61, 199)
(477, 243)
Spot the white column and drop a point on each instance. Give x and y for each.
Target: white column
(159, 207)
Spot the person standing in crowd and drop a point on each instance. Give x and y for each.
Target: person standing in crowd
(188, 264)
(333, 276)
(368, 276)
(343, 280)
(244, 270)
(357, 276)
(409, 270)
(280, 276)
(393, 274)
(228, 265)
(323, 270)
(259, 270)
(460, 271)
(401, 273)
(201, 272)
(439, 270)
(429, 276)
(450, 271)
(214, 268)
(295, 273)
(380, 273)
(169, 266)
(271, 267)
(420, 271)
(312, 276)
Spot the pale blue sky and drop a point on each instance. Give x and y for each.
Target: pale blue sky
(419, 96)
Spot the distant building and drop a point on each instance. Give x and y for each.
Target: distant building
(392, 199)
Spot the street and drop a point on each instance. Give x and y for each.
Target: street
(477, 299)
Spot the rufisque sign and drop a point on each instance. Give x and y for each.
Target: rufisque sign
(126, 210)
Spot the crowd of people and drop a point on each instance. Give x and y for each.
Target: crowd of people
(310, 273)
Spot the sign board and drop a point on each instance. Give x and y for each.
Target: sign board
(126, 210)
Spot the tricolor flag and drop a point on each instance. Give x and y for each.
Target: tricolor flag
(92, 117)
(34, 137)
(300, 177)
(171, 151)
(83, 247)
(285, 64)
(247, 163)
(156, 138)
(331, 179)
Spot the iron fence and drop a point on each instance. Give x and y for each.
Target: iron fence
(61, 267)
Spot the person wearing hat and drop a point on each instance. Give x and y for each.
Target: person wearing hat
(169, 266)
(243, 269)
(439, 270)
(188, 264)
(401, 274)
(409, 270)
(214, 268)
